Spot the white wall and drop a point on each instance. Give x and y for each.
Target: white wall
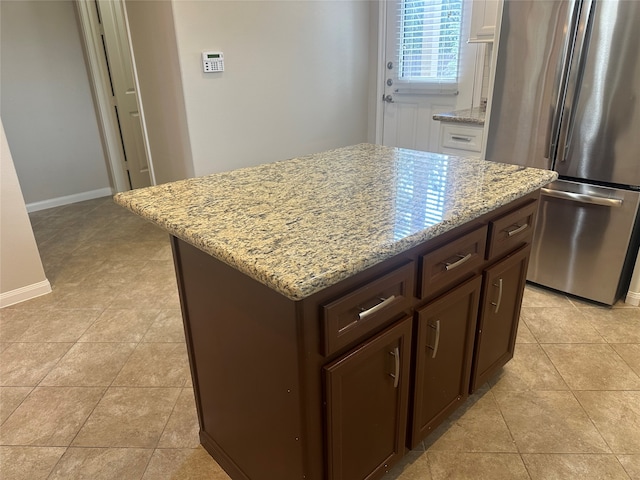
(296, 78)
(156, 57)
(21, 273)
(633, 295)
(46, 103)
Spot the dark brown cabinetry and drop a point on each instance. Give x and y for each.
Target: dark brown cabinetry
(510, 231)
(355, 315)
(444, 344)
(334, 386)
(367, 394)
(448, 265)
(503, 285)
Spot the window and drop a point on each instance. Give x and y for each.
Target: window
(429, 41)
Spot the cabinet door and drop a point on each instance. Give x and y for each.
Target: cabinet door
(502, 289)
(367, 396)
(484, 18)
(446, 331)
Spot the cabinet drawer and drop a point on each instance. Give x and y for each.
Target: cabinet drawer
(358, 313)
(447, 265)
(511, 230)
(461, 137)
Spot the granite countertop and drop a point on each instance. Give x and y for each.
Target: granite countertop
(473, 115)
(301, 225)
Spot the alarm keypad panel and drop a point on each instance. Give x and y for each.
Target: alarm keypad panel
(212, 62)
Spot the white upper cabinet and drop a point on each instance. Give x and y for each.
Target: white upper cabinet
(484, 16)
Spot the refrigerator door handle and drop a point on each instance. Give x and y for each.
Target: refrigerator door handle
(582, 198)
(560, 81)
(573, 82)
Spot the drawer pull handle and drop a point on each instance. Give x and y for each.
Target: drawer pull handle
(375, 308)
(396, 376)
(460, 138)
(517, 230)
(437, 342)
(463, 258)
(497, 304)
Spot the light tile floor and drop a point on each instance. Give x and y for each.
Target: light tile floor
(94, 378)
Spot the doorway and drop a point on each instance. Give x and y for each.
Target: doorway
(427, 68)
(104, 31)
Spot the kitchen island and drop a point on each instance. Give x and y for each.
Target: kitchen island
(338, 306)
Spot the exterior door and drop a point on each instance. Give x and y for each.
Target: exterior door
(367, 395)
(110, 15)
(412, 91)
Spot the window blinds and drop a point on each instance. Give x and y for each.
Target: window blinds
(429, 41)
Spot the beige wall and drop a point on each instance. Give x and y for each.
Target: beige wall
(156, 57)
(21, 273)
(296, 78)
(46, 103)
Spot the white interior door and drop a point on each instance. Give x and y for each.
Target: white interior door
(123, 86)
(412, 95)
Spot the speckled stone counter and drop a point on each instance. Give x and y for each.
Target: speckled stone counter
(304, 224)
(474, 116)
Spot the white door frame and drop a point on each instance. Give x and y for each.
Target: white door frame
(107, 122)
(382, 42)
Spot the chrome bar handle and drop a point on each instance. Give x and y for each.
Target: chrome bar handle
(396, 376)
(497, 304)
(517, 230)
(562, 73)
(573, 82)
(463, 258)
(460, 138)
(437, 343)
(384, 302)
(582, 197)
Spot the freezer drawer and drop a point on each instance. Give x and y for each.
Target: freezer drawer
(582, 238)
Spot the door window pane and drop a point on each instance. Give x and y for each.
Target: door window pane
(429, 40)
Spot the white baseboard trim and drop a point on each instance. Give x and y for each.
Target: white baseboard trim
(68, 199)
(24, 293)
(633, 298)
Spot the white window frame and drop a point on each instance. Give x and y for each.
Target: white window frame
(435, 59)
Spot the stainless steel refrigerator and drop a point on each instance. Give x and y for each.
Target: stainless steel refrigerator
(567, 97)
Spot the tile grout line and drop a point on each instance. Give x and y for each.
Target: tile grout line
(513, 439)
(18, 406)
